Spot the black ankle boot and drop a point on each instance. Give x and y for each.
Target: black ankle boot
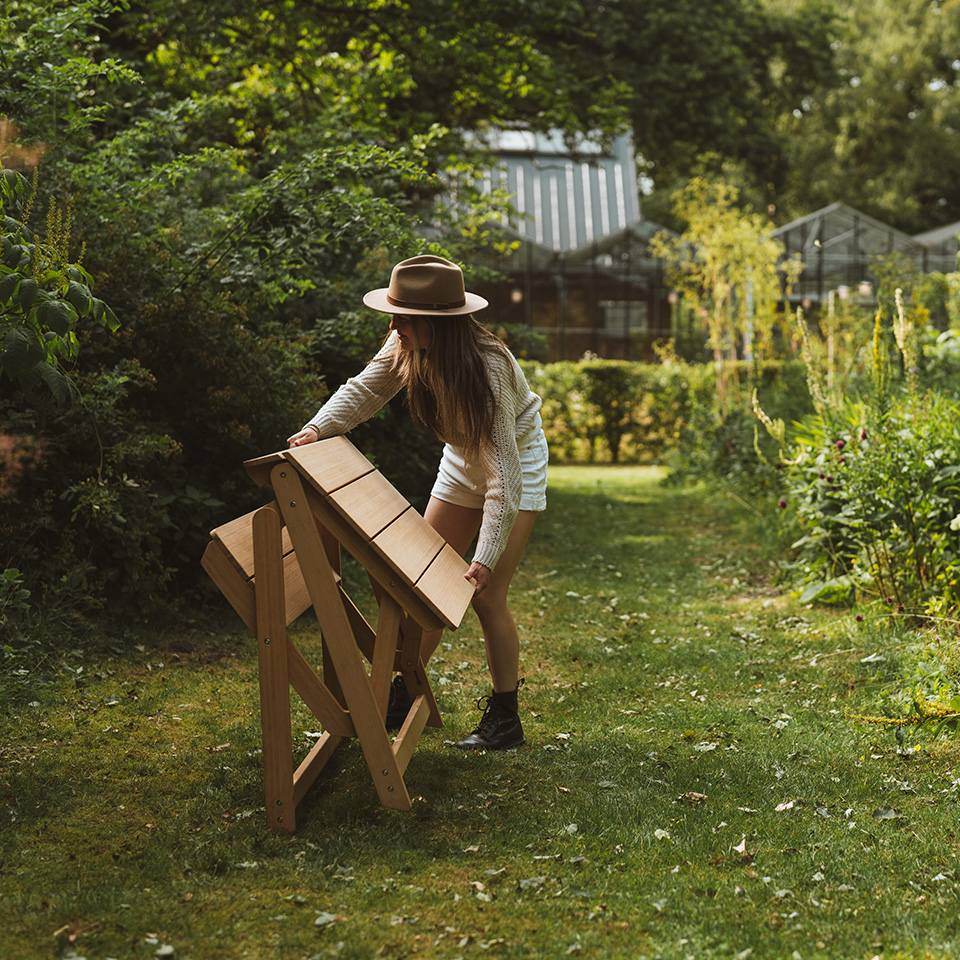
(399, 704)
(500, 727)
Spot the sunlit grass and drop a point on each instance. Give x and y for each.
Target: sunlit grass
(692, 786)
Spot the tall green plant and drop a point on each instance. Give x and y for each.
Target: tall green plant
(872, 483)
(729, 267)
(45, 293)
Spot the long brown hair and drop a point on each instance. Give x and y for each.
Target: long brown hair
(448, 389)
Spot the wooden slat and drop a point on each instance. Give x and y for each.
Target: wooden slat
(237, 539)
(410, 664)
(260, 467)
(385, 651)
(324, 590)
(370, 503)
(274, 683)
(410, 544)
(329, 464)
(296, 595)
(318, 699)
(232, 583)
(379, 569)
(443, 588)
(409, 734)
(312, 764)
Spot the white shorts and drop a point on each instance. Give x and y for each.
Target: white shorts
(464, 484)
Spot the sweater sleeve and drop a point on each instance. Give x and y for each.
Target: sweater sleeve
(500, 459)
(361, 396)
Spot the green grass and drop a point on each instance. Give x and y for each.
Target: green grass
(693, 784)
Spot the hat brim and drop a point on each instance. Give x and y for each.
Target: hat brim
(377, 300)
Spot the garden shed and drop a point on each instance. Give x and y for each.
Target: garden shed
(581, 276)
(838, 246)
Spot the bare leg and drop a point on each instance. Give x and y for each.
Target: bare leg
(458, 525)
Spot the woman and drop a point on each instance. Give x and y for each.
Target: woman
(466, 388)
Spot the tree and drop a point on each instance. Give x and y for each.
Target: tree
(730, 267)
(884, 138)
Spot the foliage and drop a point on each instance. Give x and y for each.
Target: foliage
(871, 482)
(630, 412)
(878, 139)
(52, 81)
(44, 295)
(389, 69)
(727, 264)
(760, 62)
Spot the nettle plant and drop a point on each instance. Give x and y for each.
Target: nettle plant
(872, 486)
(45, 295)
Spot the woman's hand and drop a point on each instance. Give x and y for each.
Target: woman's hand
(479, 576)
(307, 435)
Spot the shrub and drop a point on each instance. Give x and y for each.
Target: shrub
(872, 483)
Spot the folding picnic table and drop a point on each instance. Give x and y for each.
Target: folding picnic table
(276, 562)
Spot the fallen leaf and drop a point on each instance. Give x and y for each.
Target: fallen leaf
(532, 883)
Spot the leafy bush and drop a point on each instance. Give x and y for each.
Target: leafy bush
(875, 498)
(871, 484)
(598, 410)
(44, 297)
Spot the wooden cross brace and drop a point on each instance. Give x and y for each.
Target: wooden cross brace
(276, 562)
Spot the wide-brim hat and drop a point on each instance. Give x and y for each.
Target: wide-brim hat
(425, 286)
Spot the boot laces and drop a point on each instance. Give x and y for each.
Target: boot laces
(490, 719)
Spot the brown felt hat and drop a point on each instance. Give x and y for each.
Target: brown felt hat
(426, 286)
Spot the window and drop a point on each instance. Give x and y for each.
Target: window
(625, 316)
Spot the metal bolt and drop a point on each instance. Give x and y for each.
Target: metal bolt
(293, 503)
(389, 789)
(266, 639)
(384, 772)
(393, 583)
(409, 663)
(283, 473)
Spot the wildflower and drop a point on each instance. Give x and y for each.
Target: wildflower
(843, 459)
(840, 444)
(863, 434)
(889, 599)
(782, 504)
(900, 608)
(859, 618)
(829, 479)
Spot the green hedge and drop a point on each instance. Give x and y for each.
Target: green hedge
(611, 411)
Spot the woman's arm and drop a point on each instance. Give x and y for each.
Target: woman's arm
(500, 459)
(357, 400)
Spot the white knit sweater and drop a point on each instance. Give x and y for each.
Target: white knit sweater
(515, 416)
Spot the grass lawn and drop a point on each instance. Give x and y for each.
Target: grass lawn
(693, 785)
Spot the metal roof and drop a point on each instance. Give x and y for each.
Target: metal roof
(949, 232)
(565, 196)
(838, 245)
(941, 248)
